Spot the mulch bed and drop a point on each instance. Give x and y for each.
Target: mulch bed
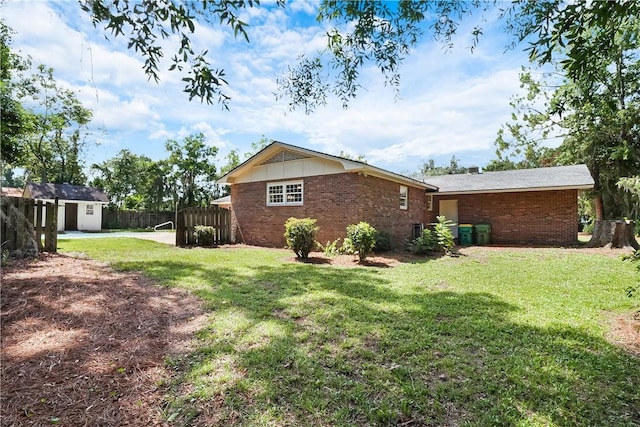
(83, 345)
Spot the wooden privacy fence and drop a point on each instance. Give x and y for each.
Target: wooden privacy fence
(24, 221)
(124, 218)
(213, 216)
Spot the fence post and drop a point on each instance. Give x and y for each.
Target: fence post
(55, 225)
(51, 227)
(38, 225)
(48, 234)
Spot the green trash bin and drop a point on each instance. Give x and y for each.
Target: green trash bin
(483, 234)
(465, 232)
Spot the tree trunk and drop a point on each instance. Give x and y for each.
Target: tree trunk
(599, 207)
(613, 234)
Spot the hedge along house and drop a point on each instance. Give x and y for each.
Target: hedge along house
(79, 207)
(536, 206)
(284, 181)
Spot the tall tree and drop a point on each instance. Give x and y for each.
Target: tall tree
(429, 168)
(594, 114)
(15, 120)
(193, 169)
(124, 178)
(52, 146)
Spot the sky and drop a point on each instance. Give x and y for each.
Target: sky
(452, 101)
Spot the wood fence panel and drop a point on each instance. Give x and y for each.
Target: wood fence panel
(21, 225)
(51, 227)
(113, 218)
(213, 216)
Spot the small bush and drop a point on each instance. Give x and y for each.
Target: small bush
(347, 247)
(443, 234)
(204, 235)
(424, 243)
(362, 237)
(588, 227)
(331, 249)
(300, 234)
(383, 242)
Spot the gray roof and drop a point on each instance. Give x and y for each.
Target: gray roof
(66, 192)
(558, 178)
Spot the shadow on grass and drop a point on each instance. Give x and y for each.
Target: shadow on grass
(295, 344)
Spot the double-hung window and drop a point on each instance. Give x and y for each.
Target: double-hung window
(404, 197)
(89, 210)
(285, 193)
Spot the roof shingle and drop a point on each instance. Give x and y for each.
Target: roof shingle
(558, 177)
(66, 192)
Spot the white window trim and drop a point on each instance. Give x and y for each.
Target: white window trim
(404, 189)
(284, 184)
(430, 202)
(88, 211)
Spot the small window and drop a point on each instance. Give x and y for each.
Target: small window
(404, 197)
(430, 202)
(285, 193)
(89, 210)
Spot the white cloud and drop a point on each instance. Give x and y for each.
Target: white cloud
(449, 103)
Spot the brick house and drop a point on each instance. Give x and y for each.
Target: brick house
(281, 181)
(527, 206)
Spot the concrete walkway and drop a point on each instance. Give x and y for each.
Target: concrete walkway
(157, 236)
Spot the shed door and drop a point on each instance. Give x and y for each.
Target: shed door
(449, 208)
(70, 216)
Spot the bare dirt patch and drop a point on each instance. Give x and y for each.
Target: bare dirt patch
(84, 345)
(625, 332)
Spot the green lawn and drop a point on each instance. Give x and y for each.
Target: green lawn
(494, 338)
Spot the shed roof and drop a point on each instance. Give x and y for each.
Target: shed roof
(551, 178)
(12, 191)
(65, 192)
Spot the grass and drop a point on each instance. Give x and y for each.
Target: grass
(494, 338)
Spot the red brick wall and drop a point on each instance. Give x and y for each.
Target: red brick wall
(534, 217)
(335, 201)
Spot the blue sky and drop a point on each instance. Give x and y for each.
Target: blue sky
(451, 102)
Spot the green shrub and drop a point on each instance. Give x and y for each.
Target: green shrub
(204, 235)
(362, 237)
(443, 234)
(424, 243)
(347, 247)
(588, 227)
(383, 242)
(331, 249)
(300, 234)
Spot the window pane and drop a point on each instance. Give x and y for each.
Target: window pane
(404, 202)
(285, 193)
(292, 198)
(294, 188)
